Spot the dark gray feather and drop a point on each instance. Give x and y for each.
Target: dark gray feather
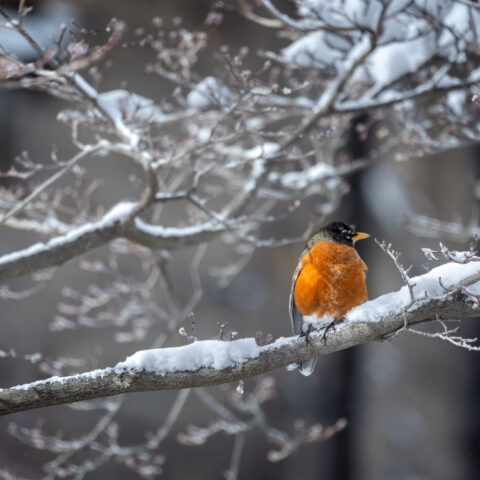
(295, 315)
(307, 366)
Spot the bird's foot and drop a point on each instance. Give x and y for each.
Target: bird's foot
(327, 328)
(306, 334)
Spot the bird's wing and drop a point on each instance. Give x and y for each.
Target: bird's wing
(295, 315)
(305, 367)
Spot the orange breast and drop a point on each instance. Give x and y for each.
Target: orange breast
(331, 281)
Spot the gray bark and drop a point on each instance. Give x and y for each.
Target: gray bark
(86, 386)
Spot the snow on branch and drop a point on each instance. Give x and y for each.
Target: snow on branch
(439, 294)
(157, 236)
(324, 104)
(65, 247)
(89, 236)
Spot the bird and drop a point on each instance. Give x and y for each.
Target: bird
(329, 280)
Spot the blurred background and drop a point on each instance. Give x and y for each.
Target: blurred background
(411, 404)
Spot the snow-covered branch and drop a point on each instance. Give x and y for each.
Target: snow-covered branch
(219, 156)
(89, 236)
(438, 295)
(64, 247)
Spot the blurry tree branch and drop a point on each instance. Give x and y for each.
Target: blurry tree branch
(428, 227)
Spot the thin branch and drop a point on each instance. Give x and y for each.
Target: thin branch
(232, 472)
(428, 227)
(394, 255)
(304, 25)
(247, 12)
(447, 336)
(86, 440)
(428, 88)
(87, 150)
(325, 103)
(19, 28)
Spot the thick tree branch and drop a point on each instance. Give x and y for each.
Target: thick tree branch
(56, 251)
(87, 237)
(364, 324)
(67, 246)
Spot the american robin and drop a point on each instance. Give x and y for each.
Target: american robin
(328, 282)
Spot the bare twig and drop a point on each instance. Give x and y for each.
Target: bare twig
(447, 335)
(87, 150)
(387, 248)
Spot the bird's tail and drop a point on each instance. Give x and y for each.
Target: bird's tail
(307, 367)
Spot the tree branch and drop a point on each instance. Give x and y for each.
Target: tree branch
(325, 103)
(428, 227)
(85, 238)
(369, 322)
(65, 247)
(87, 150)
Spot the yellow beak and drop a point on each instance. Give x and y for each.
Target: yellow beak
(360, 236)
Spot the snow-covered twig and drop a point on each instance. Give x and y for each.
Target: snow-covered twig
(301, 25)
(451, 255)
(447, 335)
(394, 255)
(324, 104)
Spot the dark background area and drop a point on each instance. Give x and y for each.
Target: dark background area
(411, 404)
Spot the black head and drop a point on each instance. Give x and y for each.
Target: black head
(338, 232)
